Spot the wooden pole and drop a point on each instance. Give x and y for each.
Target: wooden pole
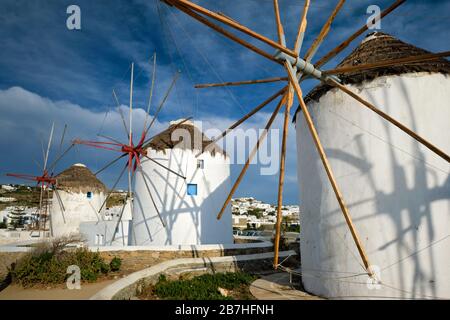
(281, 182)
(402, 127)
(389, 63)
(280, 31)
(345, 44)
(239, 83)
(224, 32)
(233, 24)
(250, 157)
(244, 118)
(327, 167)
(323, 33)
(301, 28)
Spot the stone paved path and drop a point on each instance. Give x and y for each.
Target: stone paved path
(16, 292)
(276, 286)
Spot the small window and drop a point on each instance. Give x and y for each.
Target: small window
(191, 189)
(200, 164)
(89, 195)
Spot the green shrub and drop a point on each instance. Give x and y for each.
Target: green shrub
(48, 262)
(204, 287)
(115, 264)
(3, 225)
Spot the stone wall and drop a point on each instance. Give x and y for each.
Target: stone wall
(140, 259)
(144, 257)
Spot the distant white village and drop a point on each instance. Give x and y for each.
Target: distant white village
(249, 212)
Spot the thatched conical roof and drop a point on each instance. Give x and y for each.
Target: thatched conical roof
(78, 178)
(379, 46)
(185, 135)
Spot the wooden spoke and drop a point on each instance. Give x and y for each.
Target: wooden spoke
(402, 127)
(163, 166)
(112, 189)
(151, 93)
(238, 83)
(240, 121)
(301, 28)
(120, 112)
(151, 196)
(110, 164)
(281, 178)
(230, 22)
(174, 80)
(389, 63)
(109, 138)
(48, 146)
(131, 104)
(53, 165)
(323, 33)
(280, 31)
(250, 157)
(346, 43)
(224, 32)
(327, 167)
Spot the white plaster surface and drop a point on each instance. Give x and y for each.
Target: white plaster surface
(397, 190)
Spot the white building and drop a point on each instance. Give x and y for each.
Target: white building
(82, 195)
(187, 207)
(397, 190)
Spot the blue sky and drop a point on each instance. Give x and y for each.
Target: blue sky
(49, 73)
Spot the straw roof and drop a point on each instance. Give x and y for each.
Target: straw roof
(78, 178)
(195, 139)
(379, 46)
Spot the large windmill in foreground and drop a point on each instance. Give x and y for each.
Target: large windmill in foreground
(131, 150)
(298, 69)
(46, 181)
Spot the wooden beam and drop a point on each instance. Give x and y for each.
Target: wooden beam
(301, 28)
(239, 83)
(250, 157)
(389, 63)
(281, 179)
(399, 125)
(224, 32)
(346, 43)
(230, 22)
(327, 167)
(323, 33)
(280, 31)
(244, 118)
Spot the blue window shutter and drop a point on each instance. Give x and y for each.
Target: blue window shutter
(192, 189)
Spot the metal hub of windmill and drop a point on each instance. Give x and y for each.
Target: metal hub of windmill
(299, 69)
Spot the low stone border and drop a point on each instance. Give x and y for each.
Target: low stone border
(134, 283)
(136, 258)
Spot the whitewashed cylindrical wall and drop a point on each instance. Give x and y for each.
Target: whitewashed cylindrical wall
(189, 219)
(397, 191)
(78, 208)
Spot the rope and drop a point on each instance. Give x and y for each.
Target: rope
(233, 97)
(177, 48)
(172, 63)
(343, 280)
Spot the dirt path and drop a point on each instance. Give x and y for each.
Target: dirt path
(276, 286)
(16, 292)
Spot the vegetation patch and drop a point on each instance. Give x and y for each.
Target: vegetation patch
(48, 262)
(218, 286)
